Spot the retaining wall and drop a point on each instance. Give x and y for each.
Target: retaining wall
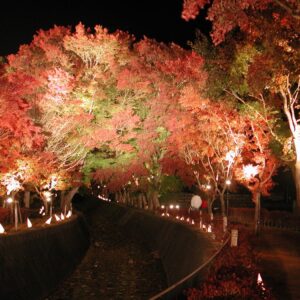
(33, 262)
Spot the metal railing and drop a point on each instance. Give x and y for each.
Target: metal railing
(188, 281)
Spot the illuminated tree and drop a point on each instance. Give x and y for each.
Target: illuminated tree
(257, 164)
(265, 61)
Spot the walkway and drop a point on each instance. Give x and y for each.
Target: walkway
(279, 253)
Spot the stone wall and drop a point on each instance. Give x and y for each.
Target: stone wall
(34, 261)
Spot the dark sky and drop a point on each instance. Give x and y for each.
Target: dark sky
(159, 19)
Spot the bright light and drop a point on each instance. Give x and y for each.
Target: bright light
(53, 182)
(177, 217)
(57, 218)
(260, 282)
(11, 183)
(62, 216)
(2, 230)
(29, 224)
(162, 207)
(9, 200)
(209, 228)
(177, 206)
(47, 195)
(208, 186)
(230, 156)
(48, 221)
(193, 223)
(259, 279)
(250, 171)
(69, 214)
(228, 182)
(163, 214)
(41, 210)
(171, 206)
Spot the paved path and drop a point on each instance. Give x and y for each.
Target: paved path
(279, 255)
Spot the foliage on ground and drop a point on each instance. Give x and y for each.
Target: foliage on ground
(233, 275)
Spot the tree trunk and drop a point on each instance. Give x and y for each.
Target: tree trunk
(209, 206)
(257, 212)
(66, 199)
(223, 210)
(27, 199)
(297, 185)
(156, 203)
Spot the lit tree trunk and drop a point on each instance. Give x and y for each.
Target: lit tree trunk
(67, 198)
(27, 199)
(297, 185)
(257, 196)
(290, 102)
(223, 210)
(155, 200)
(297, 168)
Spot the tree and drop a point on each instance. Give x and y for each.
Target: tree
(269, 69)
(257, 165)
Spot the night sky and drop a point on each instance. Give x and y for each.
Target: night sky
(159, 19)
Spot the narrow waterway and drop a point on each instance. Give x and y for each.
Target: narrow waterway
(116, 266)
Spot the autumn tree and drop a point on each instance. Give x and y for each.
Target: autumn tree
(265, 39)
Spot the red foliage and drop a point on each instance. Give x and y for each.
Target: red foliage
(227, 15)
(233, 275)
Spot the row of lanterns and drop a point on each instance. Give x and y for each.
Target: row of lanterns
(48, 221)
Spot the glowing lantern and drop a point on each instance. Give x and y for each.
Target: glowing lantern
(49, 221)
(260, 282)
(29, 224)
